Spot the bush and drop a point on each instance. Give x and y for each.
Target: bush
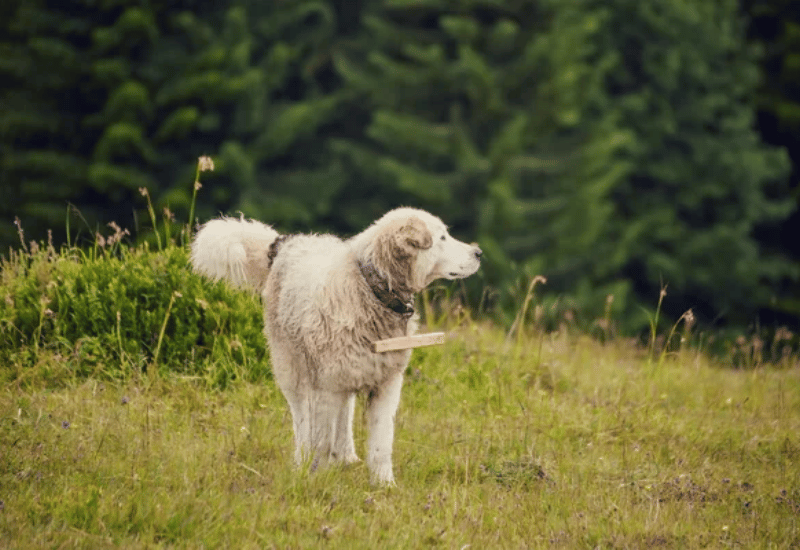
(109, 310)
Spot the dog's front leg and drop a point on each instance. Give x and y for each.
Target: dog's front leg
(381, 409)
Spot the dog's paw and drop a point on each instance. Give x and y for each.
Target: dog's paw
(384, 483)
(351, 459)
(382, 475)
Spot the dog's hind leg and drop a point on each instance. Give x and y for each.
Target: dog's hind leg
(300, 407)
(288, 370)
(344, 447)
(381, 409)
(331, 427)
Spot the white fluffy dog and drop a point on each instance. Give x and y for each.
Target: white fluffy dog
(326, 300)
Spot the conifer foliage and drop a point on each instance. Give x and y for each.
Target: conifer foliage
(702, 181)
(607, 146)
(104, 98)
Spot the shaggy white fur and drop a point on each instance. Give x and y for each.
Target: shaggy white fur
(323, 311)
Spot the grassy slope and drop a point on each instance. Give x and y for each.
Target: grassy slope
(568, 444)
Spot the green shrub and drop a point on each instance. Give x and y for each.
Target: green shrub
(113, 309)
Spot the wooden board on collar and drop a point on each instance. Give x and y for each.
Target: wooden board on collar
(407, 342)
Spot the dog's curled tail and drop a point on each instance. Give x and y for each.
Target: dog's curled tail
(235, 250)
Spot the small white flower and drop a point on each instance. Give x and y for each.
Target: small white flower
(206, 164)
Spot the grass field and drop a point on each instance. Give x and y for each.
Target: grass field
(557, 442)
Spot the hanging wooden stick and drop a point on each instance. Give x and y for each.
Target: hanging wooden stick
(406, 342)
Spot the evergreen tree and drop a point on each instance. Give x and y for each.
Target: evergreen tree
(775, 26)
(684, 85)
(102, 99)
(274, 151)
(607, 146)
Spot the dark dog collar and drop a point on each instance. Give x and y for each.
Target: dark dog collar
(401, 302)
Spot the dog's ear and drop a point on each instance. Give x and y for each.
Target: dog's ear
(414, 235)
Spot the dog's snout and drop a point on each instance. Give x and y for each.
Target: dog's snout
(478, 251)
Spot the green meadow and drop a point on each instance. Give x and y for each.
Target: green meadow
(619, 148)
(540, 440)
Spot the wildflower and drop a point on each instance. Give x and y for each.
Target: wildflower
(197, 186)
(143, 191)
(65, 424)
(119, 233)
(124, 400)
(206, 164)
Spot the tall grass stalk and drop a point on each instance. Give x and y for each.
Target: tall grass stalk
(68, 227)
(119, 338)
(21, 234)
(518, 326)
(174, 295)
(146, 194)
(204, 164)
(665, 347)
(37, 336)
(654, 324)
(168, 225)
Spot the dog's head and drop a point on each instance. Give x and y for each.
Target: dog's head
(412, 248)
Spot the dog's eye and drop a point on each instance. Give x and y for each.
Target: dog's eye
(444, 238)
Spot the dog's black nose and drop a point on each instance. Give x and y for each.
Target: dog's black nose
(478, 252)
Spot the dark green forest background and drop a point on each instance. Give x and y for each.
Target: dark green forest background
(612, 146)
